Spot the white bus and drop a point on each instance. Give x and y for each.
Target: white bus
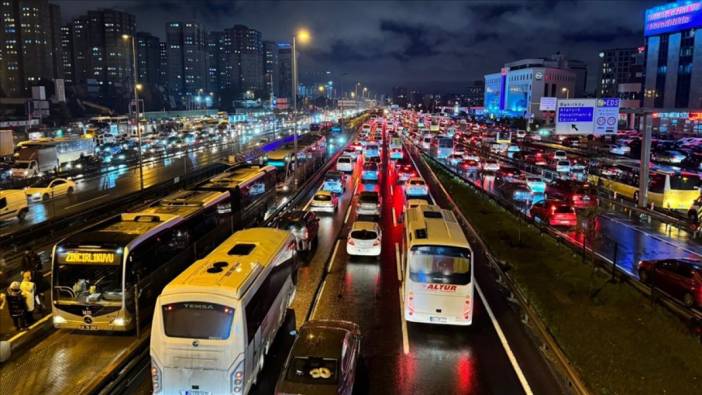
(214, 323)
(438, 262)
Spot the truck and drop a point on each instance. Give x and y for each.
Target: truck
(31, 161)
(7, 144)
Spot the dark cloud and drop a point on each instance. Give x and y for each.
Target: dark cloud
(440, 44)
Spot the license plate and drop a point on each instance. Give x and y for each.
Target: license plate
(437, 319)
(195, 392)
(564, 222)
(89, 327)
(586, 198)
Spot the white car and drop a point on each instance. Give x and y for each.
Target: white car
(471, 157)
(416, 186)
(45, 190)
(560, 155)
(344, 164)
(365, 239)
(491, 165)
(454, 159)
(620, 149)
(369, 203)
(13, 203)
(521, 134)
(324, 201)
(563, 166)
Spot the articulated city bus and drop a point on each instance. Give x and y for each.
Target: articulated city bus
(215, 322)
(438, 263)
(108, 275)
(672, 190)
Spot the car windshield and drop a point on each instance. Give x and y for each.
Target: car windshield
(417, 182)
(322, 198)
(41, 184)
(364, 234)
(368, 198)
(372, 166)
(440, 265)
(344, 159)
(197, 320)
(313, 370)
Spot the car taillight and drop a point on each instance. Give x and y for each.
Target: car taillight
(467, 308)
(353, 243)
(376, 243)
(410, 303)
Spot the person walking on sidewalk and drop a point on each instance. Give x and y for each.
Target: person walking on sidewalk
(17, 306)
(28, 289)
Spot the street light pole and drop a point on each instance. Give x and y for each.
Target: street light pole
(293, 93)
(136, 108)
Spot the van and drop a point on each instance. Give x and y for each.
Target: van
(13, 203)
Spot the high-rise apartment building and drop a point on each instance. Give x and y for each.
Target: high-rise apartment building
(67, 53)
(148, 58)
(29, 45)
(617, 66)
(271, 69)
(102, 58)
(163, 64)
(215, 60)
(186, 44)
(284, 88)
(246, 48)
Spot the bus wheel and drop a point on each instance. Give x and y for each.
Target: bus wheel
(22, 214)
(636, 197)
(45, 197)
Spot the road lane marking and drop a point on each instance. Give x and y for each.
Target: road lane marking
(355, 189)
(505, 344)
(405, 335)
(308, 204)
(348, 211)
(397, 262)
(316, 301)
(333, 257)
(394, 217)
(87, 201)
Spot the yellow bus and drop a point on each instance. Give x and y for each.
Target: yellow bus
(667, 189)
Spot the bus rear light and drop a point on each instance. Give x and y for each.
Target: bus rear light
(155, 376)
(237, 379)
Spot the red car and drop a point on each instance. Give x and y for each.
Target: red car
(404, 172)
(579, 194)
(680, 278)
(554, 213)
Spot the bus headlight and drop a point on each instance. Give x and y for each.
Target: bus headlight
(155, 376)
(119, 321)
(58, 320)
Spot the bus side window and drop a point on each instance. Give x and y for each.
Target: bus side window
(261, 302)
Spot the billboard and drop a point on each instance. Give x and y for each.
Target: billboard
(587, 116)
(672, 17)
(547, 104)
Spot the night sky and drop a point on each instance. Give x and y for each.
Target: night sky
(435, 46)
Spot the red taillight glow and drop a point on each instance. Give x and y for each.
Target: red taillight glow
(353, 243)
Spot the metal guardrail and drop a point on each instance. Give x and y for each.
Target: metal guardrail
(117, 380)
(571, 376)
(693, 317)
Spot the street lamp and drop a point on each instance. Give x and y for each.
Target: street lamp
(303, 35)
(566, 91)
(137, 88)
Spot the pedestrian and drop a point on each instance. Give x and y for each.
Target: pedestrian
(17, 306)
(28, 289)
(29, 260)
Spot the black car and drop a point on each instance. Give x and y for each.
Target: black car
(322, 360)
(304, 225)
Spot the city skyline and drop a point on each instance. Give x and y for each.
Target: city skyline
(434, 45)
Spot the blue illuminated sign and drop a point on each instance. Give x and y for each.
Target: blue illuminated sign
(575, 114)
(672, 17)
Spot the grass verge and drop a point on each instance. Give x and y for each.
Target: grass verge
(618, 341)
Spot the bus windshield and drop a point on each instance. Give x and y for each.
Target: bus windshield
(440, 265)
(684, 182)
(88, 284)
(198, 320)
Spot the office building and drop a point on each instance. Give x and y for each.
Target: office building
(102, 58)
(284, 88)
(67, 54)
(148, 51)
(187, 61)
(673, 68)
(673, 56)
(271, 69)
(617, 66)
(516, 91)
(29, 45)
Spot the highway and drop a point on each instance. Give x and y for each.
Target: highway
(397, 357)
(622, 237)
(121, 180)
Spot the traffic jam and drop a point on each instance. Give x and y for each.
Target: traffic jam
(561, 185)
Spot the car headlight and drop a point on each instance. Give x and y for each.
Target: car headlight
(119, 321)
